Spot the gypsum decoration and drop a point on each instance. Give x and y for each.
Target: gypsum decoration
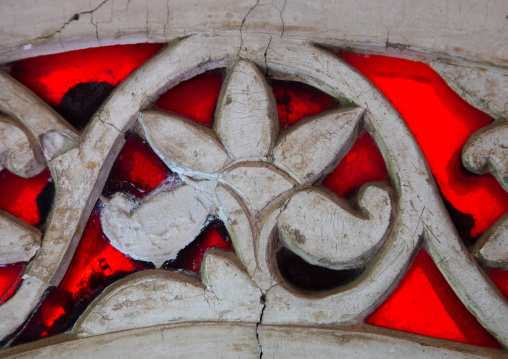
(254, 222)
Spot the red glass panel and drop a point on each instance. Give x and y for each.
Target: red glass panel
(296, 100)
(189, 259)
(363, 164)
(424, 303)
(52, 76)
(95, 265)
(500, 279)
(442, 123)
(18, 195)
(10, 279)
(138, 170)
(195, 98)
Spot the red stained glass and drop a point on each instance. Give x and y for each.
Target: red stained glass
(194, 99)
(18, 195)
(138, 170)
(442, 123)
(95, 265)
(10, 279)
(363, 164)
(500, 279)
(189, 258)
(52, 76)
(424, 303)
(296, 100)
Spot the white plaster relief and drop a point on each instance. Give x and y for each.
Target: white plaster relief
(160, 297)
(257, 185)
(183, 145)
(17, 309)
(16, 154)
(246, 119)
(487, 151)
(156, 229)
(324, 232)
(18, 241)
(418, 210)
(57, 142)
(492, 247)
(316, 146)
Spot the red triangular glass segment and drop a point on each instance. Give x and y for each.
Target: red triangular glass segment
(296, 101)
(363, 164)
(194, 99)
(424, 303)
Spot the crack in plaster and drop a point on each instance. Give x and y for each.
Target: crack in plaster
(76, 17)
(241, 26)
(260, 321)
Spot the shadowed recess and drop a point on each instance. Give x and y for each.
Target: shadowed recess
(296, 101)
(424, 303)
(82, 100)
(194, 99)
(311, 278)
(76, 83)
(441, 122)
(189, 258)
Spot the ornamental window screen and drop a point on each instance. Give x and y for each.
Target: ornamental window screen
(288, 191)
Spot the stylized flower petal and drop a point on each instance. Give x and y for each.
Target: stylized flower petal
(487, 151)
(16, 153)
(246, 118)
(183, 145)
(329, 234)
(157, 229)
(18, 240)
(492, 247)
(318, 144)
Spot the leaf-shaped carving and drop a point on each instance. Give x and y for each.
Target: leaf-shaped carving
(246, 118)
(157, 229)
(492, 247)
(328, 233)
(317, 145)
(18, 241)
(183, 145)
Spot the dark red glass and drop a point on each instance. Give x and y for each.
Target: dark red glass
(18, 195)
(95, 265)
(189, 259)
(500, 279)
(51, 76)
(10, 279)
(424, 303)
(441, 122)
(296, 101)
(138, 170)
(194, 99)
(363, 164)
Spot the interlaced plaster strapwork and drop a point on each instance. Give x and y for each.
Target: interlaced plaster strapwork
(221, 170)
